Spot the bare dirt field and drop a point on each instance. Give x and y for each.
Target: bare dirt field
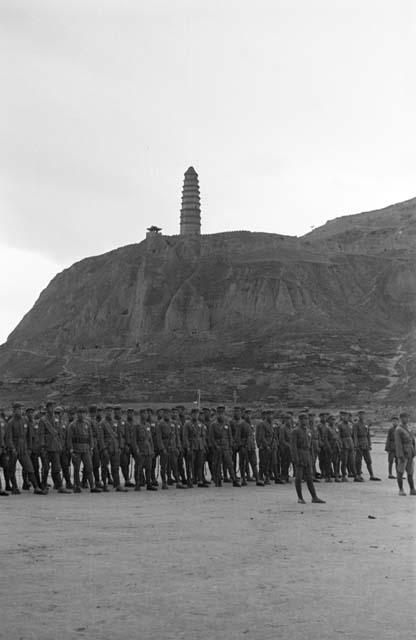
(211, 563)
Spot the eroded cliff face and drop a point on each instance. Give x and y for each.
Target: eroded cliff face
(324, 318)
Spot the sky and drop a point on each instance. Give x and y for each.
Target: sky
(292, 112)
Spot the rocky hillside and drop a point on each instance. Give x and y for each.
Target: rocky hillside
(323, 319)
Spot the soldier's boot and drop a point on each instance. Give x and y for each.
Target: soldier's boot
(60, 486)
(7, 482)
(93, 488)
(411, 484)
(371, 472)
(317, 500)
(67, 477)
(36, 488)
(298, 487)
(236, 483)
(400, 484)
(84, 483)
(2, 493)
(26, 484)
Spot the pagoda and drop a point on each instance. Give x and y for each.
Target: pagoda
(191, 207)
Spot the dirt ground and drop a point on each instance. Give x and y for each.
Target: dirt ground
(211, 563)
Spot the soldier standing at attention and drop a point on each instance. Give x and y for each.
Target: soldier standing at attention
(301, 447)
(110, 450)
(95, 456)
(336, 446)
(285, 430)
(390, 447)
(52, 444)
(122, 433)
(362, 444)
(316, 445)
(36, 446)
(248, 453)
(347, 451)
(190, 436)
(167, 441)
(3, 456)
(152, 422)
(17, 439)
(222, 445)
(65, 458)
(235, 424)
(275, 454)
(405, 453)
(325, 438)
(143, 443)
(81, 443)
(264, 438)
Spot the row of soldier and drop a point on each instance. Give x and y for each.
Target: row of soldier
(105, 441)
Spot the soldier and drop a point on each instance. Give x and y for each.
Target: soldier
(168, 444)
(336, 446)
(316, 445)
(152, 422)
(235, 424)
(17, 438)
(142, 444)
(275, 454)
(65, 457)
(52, 445)
(405, 453)
(222, 445)
(109, 446)
(247, 448)
(390, 447)
(123, 438)
(325, 438)
(4, 461)
(180, 419)
(347, 451)
(191, 444)
(81, 443)
(4, 458)
(264, 438)
(36, 447)
(96, 456)
(301, 449)
(362, 444)
(206, 419)
(285, 430)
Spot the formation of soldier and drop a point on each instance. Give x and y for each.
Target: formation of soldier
(133, 449)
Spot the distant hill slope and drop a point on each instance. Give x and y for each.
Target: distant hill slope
(326, 318)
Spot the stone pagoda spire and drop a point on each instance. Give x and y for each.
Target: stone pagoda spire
(191, 207)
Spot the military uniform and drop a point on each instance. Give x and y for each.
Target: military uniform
(390, 447)
(264, 438)
(17, 440)
(347, 450)
(81, 442)
(222, 445)
(110, 451)
(301, 450)
(192, 444)
(362, 443)
(167, 435)
(142, 444)
(247, 448)
(325, 438)
(4, 459)
(284, 444)
(405, 453)
(52, 444)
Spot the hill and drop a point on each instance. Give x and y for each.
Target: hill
(327, 318)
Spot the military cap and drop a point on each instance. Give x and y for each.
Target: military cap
(394, 418)
(117, 407)
(343, 413)
(322, 414)
(130, 409)
(143, 411)
(305, 410)
(237, 408)
(221, 407)
(174, 409)
(81, 410)
(50, 403)
(58, 410)
(404, 414)
(247, 410)
(17, 405)
(27, 409)
(194, 410)
(180, 407)
(289, 413)
(302, 414)
(361, 411)
(268, 411)
(206, 409)
(92, 407)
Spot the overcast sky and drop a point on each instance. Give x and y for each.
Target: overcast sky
(292, 112)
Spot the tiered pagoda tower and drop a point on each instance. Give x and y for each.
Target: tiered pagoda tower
(191, 205)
